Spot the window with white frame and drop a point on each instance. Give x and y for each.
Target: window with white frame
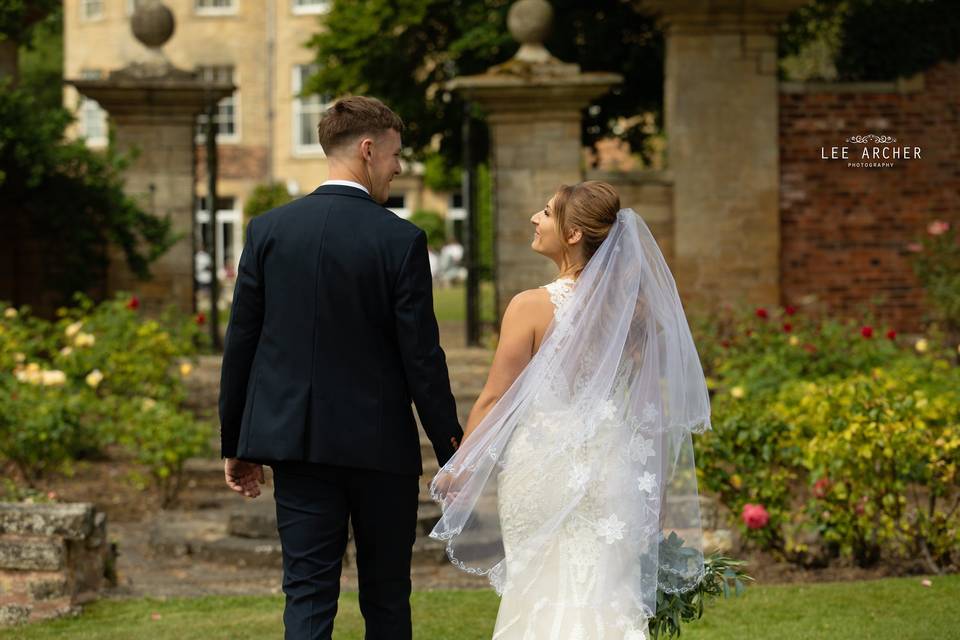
(91, 118)
(229, 237)
(311, 6)
(91, 9)
(228, 109)
(307, 110)
(215, 7)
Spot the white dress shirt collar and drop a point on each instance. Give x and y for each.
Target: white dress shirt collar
(346, 183)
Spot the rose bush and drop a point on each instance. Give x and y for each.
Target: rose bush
(98, 378)
(831, 438)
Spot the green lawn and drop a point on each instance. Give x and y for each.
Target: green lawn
(891, 608)
(450, 303)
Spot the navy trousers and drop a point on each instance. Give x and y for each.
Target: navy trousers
(315, 502)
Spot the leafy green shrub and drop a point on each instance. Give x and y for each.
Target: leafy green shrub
(800, 405)
(265, 197)
(883, 449)
(936, 261)
(432, 224)
(100, 375)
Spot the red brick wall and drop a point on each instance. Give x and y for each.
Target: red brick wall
(844, 230)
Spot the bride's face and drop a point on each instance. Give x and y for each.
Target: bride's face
(546, 235)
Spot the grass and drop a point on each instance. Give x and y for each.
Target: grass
(890, 608)
(450, 303)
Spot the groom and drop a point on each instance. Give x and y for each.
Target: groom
(331, 334)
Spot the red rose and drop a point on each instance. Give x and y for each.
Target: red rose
(787, 327)
(809, 348)
(789, 310)
(866, 332)
(749, 332)
(725, 344)
(755, 516)
(891, 334)
(820, 487)
(762, 313)
(133, 303)
(201, 319)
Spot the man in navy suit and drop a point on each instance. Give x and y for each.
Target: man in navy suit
(331, 334)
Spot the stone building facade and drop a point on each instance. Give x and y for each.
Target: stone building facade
(267, 130)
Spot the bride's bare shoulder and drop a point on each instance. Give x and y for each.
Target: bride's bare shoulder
(531, 307)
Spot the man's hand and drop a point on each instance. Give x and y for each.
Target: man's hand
(243, 477)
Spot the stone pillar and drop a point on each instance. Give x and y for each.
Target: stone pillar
(153, 108)
(533, 104)
(721, 117)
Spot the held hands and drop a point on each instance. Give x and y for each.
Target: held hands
(243, 477)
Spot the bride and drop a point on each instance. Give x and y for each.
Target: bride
(577, 466)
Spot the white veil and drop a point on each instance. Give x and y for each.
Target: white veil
(590, 450)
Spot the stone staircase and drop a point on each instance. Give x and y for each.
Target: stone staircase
(217, 525)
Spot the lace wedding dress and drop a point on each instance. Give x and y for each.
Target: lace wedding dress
(576, 495)
(561, 594)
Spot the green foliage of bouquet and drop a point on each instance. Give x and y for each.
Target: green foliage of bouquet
(722, 576)
(97, 377)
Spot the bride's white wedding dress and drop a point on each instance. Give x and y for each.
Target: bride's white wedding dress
(568, 493)
(561, 594)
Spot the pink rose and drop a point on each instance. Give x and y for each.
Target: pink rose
(755, 516)
(915, 247)
(938, 227)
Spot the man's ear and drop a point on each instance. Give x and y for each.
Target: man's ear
(366, 148)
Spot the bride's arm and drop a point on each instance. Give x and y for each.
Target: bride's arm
(514, 350)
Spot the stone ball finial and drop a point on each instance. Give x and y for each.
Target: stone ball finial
(529, 21)
(152, 23)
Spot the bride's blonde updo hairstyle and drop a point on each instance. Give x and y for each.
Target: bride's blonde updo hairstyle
(590, 206)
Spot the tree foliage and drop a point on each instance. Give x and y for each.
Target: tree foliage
(69, 197)
(877, 40)
(265, 197)
(404, 53)
(18, 17)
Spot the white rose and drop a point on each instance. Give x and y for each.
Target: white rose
(94, 378)
(53, 378)
(73, 329)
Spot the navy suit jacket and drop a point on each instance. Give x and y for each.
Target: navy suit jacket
(331, 334)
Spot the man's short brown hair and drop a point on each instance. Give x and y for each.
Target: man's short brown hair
(352, 117)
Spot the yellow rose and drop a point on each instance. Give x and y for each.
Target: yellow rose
(85, 340)
(149, 403)
(94, 378)
(73, 329)
(737, 392)
(53, 378)
(66, 351)
(10, 312)
(921, 345)
(33, 367)
(736, 481)
(19, 357)
(794, 341)
(185, 369)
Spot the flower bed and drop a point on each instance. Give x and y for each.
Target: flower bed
(99, 378)
(833, 439)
